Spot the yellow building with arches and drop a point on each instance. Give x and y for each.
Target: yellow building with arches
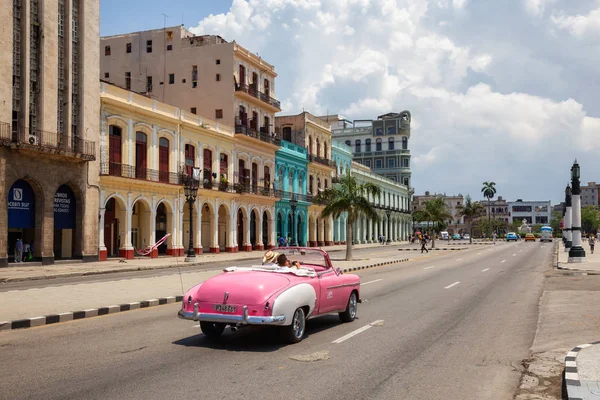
(146, 147)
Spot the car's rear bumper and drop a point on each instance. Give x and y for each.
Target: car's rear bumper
(243, 319)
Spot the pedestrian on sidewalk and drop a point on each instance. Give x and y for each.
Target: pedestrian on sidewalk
(26, 250)
(592, 241)
(424, 245)
(19, 251)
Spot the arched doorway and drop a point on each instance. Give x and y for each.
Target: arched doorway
(186, 227)
(206, 226)
(265, 229)
(141, 235)
(161, 227)
(318, 239)
(21, 218)
(300, 230)
(222, 229)
(290, 229)
(279, 226)
(67, 243)
(240, 229)
(114, 222)
(253, 227)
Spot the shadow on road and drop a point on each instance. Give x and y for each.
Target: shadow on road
(254, 338)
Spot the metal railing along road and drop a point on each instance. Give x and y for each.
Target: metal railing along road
(49, 142)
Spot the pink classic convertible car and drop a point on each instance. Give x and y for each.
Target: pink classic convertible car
(270, 295)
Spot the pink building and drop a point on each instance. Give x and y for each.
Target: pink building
(204, 75)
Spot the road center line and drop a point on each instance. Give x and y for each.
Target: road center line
(429, 267)
(366, 283)
(483, 270)
(454, 284)
(460, 259)
(514, 254)
(478, 253)
(356, 332)
(503, 260)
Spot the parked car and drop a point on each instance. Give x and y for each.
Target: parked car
(511, 236)
(270, 295)
(466, 236)
(456, 236)
(530, 237)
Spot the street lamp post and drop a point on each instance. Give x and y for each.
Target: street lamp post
(388, 212)
(567, 221)
(577, 253)
(293, 205)
(190, 190)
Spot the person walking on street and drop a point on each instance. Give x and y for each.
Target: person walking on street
(592, 241)
(424, 245)
(19, 251)
(26, 252)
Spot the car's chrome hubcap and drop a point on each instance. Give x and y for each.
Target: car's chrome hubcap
(352, 305)
(298, 323)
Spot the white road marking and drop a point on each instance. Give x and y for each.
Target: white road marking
(514, 254)
(483, 270)
(460, 259)
(478, 253)
(429, 267)
(356, 332)
(503, 260)
(366, 283)
(454, 284)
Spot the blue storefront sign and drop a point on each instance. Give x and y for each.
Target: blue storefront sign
(64, 208)
(21, 206)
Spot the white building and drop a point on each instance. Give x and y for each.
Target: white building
(589, 194)
(533, 212)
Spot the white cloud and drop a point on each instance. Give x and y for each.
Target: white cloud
(364, 58)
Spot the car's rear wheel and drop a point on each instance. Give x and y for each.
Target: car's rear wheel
(350, 313)
(294, 332)
(212, 330)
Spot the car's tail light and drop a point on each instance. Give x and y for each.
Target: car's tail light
(267, 306)
(189, 300)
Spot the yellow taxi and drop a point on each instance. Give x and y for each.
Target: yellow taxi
(530, 237)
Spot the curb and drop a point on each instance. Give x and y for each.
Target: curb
(571, 377)
(583, 271)
(113, 309)
(93, 312)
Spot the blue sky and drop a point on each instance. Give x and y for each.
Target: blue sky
(115, 15)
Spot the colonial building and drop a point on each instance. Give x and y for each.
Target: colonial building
(49, 107)
(313, 134)
(456, 224)
(146, 148)
(203, 75)
(341, 155)
(381, 144)
(590, 194)
(392, 204)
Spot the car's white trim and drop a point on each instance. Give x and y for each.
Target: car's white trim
(299, 295)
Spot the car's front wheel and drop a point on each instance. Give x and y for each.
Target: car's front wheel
(350, 313)
(212, 330)
(294, 332)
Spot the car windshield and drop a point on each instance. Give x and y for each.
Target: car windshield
(306, 257)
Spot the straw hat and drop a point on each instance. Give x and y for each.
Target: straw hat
(270, 257)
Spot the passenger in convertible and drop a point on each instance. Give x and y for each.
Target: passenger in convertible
(283, 261)
(270, 259)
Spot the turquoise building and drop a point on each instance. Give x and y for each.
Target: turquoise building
(341, 156)
(291, 183)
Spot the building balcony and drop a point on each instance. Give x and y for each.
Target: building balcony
(141, 173)
(260, 135)
(47, 142)
(252, 91)
(320, 160)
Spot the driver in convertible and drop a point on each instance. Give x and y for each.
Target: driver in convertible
(282, 261)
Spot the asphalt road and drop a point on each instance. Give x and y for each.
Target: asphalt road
(452, 326)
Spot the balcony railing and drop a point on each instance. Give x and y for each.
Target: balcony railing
(320, 160)
(252, 91)
(133, 172)
(265, 137)
(48, 142)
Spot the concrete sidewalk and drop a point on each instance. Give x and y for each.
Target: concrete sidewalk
(582, 372)
(86, 299)
(24, 272)
(591, 264)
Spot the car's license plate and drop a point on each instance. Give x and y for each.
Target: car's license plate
(224, 308)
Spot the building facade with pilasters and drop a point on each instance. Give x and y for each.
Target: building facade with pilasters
(146, 148)
(341, 155)
(392, 205)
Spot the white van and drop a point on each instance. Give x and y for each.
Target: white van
(444, 236)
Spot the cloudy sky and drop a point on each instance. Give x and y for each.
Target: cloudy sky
(501, 90)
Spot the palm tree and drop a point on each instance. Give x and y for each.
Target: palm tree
(470, 210)
(348, 196)
(489, 190)
(434, 210)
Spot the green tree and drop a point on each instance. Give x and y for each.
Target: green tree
(470, 210)
(435, 211)
(589, 219)
(555, 222)
(348, 196)
(489, 190)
